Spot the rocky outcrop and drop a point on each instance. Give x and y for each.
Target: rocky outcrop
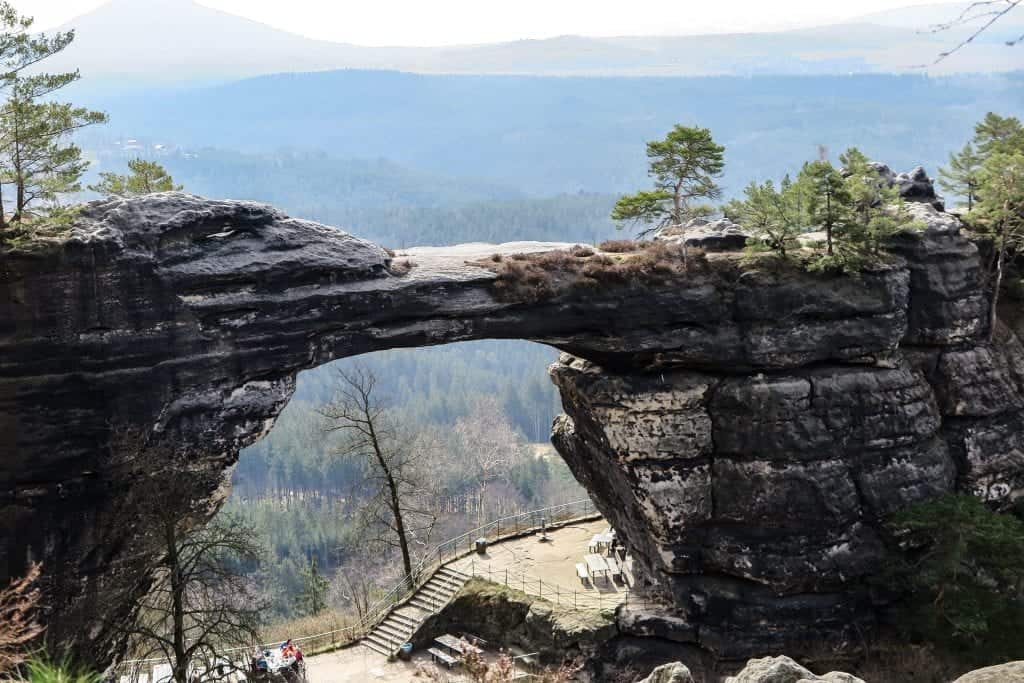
(743, 430)
(753, 501)
(509, 618)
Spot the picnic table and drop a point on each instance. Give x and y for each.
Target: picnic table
(596, 564)
(456, 645)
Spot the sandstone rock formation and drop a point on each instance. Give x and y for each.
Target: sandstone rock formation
(753, 500)
(744, 431)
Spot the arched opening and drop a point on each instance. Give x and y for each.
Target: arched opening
(477, 417)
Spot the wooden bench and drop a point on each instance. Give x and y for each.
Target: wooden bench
(441, 656)
(581, 571)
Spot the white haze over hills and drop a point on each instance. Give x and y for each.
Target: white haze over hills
(180, 41)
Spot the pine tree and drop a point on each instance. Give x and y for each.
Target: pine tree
(961, 177)
(146, 177)
(314, 592)
(1000, 214)
(828, 201)
(35, 156)
(774, 214)
(685, 166)
(997, 133)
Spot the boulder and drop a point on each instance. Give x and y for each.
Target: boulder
(785, 670)
(916, 186)
(674, 672)
(717, 235)
(1011, 672)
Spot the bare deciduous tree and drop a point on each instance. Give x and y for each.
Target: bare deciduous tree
(200, 605)
(395, 503)
(487, 444)
(19, 603)
(359, 581)
(982, 14)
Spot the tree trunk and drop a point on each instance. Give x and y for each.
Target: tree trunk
(678, 207)
(828, 222)
(403, 543)
(396, 503)
(177, 607)
(997, 282)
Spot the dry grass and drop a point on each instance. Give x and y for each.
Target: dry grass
(620, 246)
(530, 278)
(324, 623)
(18, 626)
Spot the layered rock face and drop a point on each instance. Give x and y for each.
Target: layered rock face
(744, 431)
(753, 500)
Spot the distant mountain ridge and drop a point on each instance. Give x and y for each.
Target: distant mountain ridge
(182, 41)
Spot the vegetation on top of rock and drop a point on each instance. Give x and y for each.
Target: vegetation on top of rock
(996, 206)
(530, 278)
(962, 566)
(145, 177)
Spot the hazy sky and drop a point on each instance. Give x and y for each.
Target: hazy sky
(445, 22)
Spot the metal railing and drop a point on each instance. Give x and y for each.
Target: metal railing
(560, 595)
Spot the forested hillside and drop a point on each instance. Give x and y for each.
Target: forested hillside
(547, 136)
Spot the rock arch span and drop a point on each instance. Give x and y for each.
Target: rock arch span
(745, 431)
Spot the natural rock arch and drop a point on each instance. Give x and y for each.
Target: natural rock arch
(698, 419)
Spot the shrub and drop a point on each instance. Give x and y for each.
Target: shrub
(18, 626)
(962, 567)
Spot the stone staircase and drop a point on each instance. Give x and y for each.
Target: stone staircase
(405, 619)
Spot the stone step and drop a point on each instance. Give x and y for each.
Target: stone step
(439, 592)
(455, 574)
(423, 604)
(387, 645)
(372, 645)
(392, 632)
(404, 619)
